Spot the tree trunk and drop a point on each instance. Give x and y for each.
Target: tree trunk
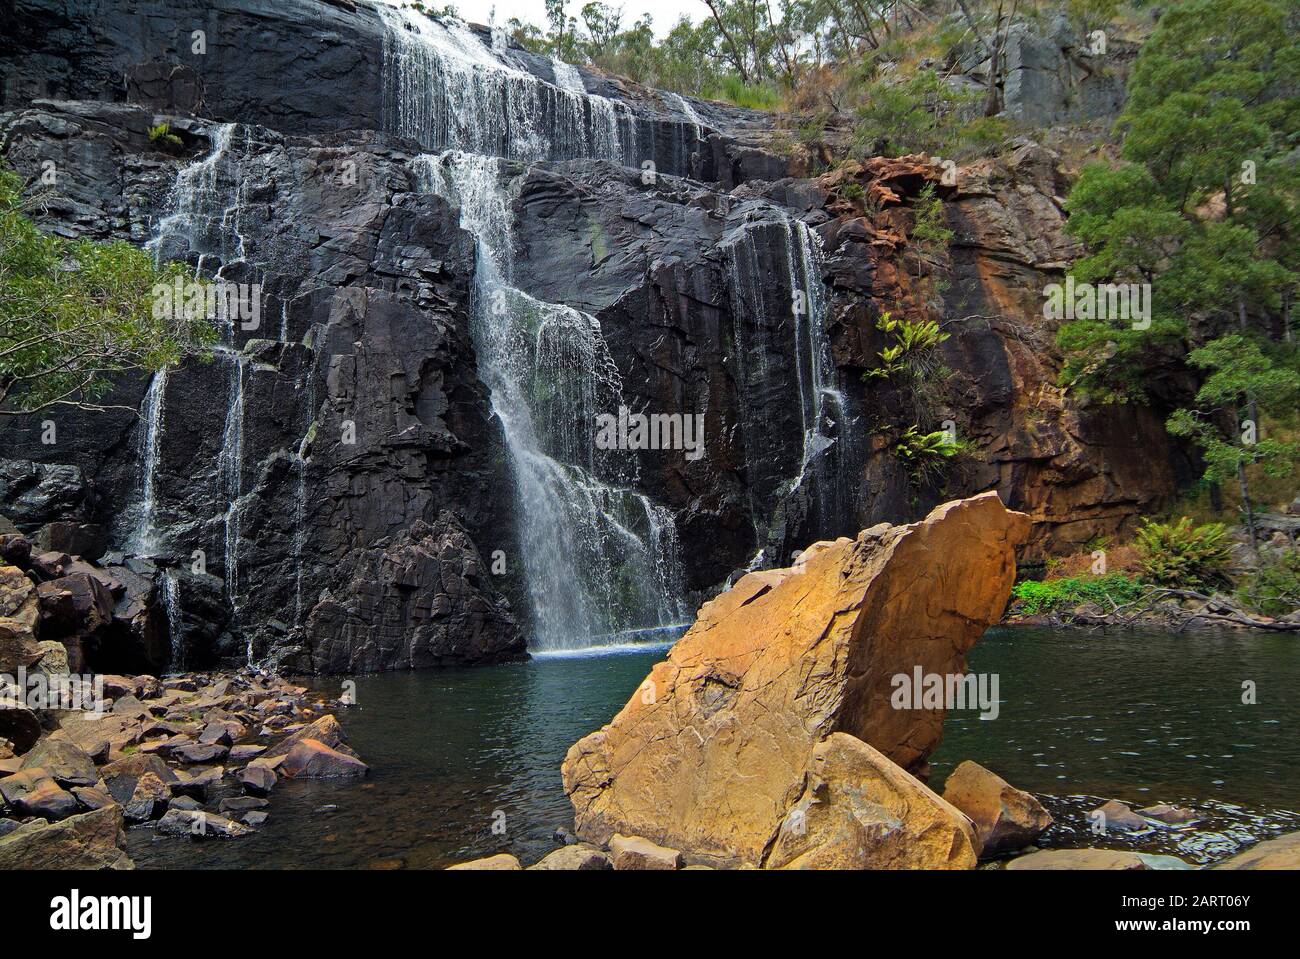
(1245, 502)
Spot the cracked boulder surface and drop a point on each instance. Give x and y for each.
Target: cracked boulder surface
(714, 750)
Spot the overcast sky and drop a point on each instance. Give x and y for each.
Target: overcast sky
(664, 12)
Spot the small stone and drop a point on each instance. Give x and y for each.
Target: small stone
(241, 804)
(198, 824)
(66, 763)
(122, 775)
(194, 753)
(502, 861)
(258, 780)
(634, 852)
(198, 781)
(33, 793)
(1115, 816)
(92, 797)
(148, 801)
(576, 857)
(240, 754)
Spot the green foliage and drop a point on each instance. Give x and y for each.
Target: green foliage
(161, 135)
(1183, 555)
(928, 227)
(1241, 377)
(922, 114)
(1204, 205)
(927, 455)
(753, 96)
(73, 313)
(1274, 589)
(911, 353)
(1035, 597)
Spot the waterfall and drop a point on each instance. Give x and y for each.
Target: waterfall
(448, 90)
(205, 208)
(171, 604)
(299, 531)
(143, 538)
(203, 224)
(759, 332)
(567, 76)
(600, 559)
(230, 469)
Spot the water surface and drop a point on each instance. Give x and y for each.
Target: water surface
(1144, 717)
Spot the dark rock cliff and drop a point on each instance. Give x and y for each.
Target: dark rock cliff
(328, 490)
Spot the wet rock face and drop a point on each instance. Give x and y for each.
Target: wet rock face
(424, 600)
(356, 407)
(696, 295)
(713, 753)
(300, 67)
(1079, 471)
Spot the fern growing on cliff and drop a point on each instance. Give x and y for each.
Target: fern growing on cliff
(911, 353)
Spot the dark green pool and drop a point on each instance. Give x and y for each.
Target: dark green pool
(1140, 716)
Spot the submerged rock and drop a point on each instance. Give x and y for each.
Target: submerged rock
(1005, 818)
(712, 751)
(1169, 815)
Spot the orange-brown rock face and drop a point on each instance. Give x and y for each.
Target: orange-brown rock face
(1079, 471)
(712, 751)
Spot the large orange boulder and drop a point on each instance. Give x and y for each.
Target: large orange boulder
(715, 748)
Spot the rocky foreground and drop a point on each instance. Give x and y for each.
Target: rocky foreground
(84, 754)
(192, 756)
(774, 735)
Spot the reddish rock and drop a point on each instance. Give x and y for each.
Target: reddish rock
(1005, 818)
(309, 759)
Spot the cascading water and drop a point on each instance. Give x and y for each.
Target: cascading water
(760, 334)
(444, 88)
(600, 558)
(203, 226)
(171, 604)
(143, 538)
(230, 468)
